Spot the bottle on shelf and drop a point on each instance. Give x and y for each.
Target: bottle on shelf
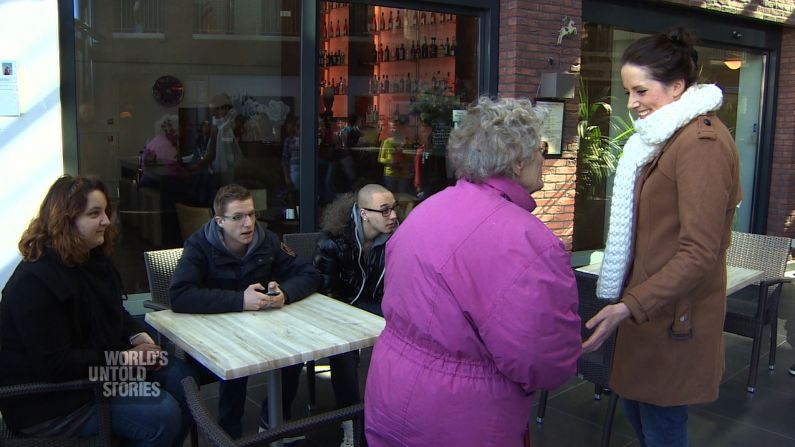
(422, 18)
(374, 26)
(433, 81)
(402, 52)
(391, 23)
(434, 49)
(383, 22)
(450, 84)
(337, 33)
(424, 51)
(324, 32)
(386, 84)
(433, 18)
(397, 20)
(446, 46)
(453, 47)
(387, 54)
(414, 20)
(374, 55)
(442, 18)
(413, 51)
(380, 52)
(402, 85)
(345, 28)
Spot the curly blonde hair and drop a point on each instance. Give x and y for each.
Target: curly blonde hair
(493, 135)
(54, 228)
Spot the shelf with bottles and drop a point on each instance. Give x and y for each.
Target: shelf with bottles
(397, 19)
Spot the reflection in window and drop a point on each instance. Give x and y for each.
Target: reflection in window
(390, 79)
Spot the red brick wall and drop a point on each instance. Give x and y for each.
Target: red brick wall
(781, 211)
(528, 40)
(780, 11)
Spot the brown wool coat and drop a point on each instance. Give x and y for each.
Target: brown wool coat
(670, 352)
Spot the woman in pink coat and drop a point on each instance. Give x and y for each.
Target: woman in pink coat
(480, 300)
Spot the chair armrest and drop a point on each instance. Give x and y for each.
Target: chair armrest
(47, 387)
(299, 426)
(149, 304)
(774, 281)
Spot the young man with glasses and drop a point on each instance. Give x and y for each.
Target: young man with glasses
(226, 267)
(350, 256)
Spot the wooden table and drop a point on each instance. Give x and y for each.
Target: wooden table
(736, 277)
(240, 344)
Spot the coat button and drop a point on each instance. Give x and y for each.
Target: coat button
(707, 122)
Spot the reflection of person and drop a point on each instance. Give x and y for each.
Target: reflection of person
(62, 318)
(430, 174)
(350, 256)
(222, 269)
(396, 167)
(7, 69)
(161, 149)
(480, 300)
(223, 152)
(676, 189)
(291, 155)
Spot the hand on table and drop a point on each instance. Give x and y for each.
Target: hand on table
(255, 298)
(605, 322)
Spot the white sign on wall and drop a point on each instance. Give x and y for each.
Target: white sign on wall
(9, 88)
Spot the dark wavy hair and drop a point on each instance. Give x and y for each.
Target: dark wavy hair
(667, 56)
(54, 227)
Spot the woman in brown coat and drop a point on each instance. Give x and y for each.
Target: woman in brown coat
(676, 189)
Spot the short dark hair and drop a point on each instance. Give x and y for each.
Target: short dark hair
(229, 193)
(667, 56)
(54, 228)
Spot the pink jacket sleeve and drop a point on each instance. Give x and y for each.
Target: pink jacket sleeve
(533, 332)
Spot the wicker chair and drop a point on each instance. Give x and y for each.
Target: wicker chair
(217, 437)
(191, 218)
(303, 244)
(594, 366)
(749, 310)
(103, 438)
(160, 265)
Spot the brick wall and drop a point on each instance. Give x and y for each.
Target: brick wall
(781, 211)
(528, 42)
(779, 11)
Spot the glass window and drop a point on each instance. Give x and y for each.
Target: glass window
(738, 72)
(176, 98)
(390, 79)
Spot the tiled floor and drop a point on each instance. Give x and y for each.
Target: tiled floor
(766, 418)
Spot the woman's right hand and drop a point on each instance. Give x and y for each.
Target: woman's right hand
(604, 322)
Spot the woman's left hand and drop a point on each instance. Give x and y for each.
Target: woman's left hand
(141, 338)
(605, 322)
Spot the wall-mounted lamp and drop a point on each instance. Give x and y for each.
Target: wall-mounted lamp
(733, 62)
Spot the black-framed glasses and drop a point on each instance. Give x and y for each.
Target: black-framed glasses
(238, 217)
(385, 211)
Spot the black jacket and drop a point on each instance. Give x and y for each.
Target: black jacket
(347, 275)
(210, 279)
(57, 321)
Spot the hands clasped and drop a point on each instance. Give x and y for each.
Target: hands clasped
(255, 297)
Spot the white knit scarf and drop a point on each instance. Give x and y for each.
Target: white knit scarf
(651, 134)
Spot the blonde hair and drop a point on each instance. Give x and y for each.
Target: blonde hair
(493, 135)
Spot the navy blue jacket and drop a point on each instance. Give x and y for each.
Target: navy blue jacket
(211, 279)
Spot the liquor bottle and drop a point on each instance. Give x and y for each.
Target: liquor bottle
(422, 19)
(342, 58)
(375, 23)
(409, 87)
(345, 28)
(325, 30)
(424, 50)
(391, 23)
(434, 50)
(450, 85)
(402, 52)
(343, 86)
(413, 51)
(397, 20)
(369, 25)
(433, 18)
(453, 47)
(386, 84)
(374, 56)
(442, 18)
(414, 20)
(337, 34)
(433, 81)
(380, 52)
(447, 46)
(383, 22)
(386, 54)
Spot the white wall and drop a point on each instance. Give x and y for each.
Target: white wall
(31, 146)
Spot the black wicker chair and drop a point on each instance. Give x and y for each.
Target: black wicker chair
(217, 437)
(103, 438)
(594, 366)
(160, 265)
(303, 244)
(749, 310)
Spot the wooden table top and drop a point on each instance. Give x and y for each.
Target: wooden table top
(239, 344)
(736, 277)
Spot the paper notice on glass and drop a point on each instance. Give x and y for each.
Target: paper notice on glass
(552, 131)
(9, 88)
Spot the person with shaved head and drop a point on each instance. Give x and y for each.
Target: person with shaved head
(350, 256)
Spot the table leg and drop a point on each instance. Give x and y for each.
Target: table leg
(275, 417)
